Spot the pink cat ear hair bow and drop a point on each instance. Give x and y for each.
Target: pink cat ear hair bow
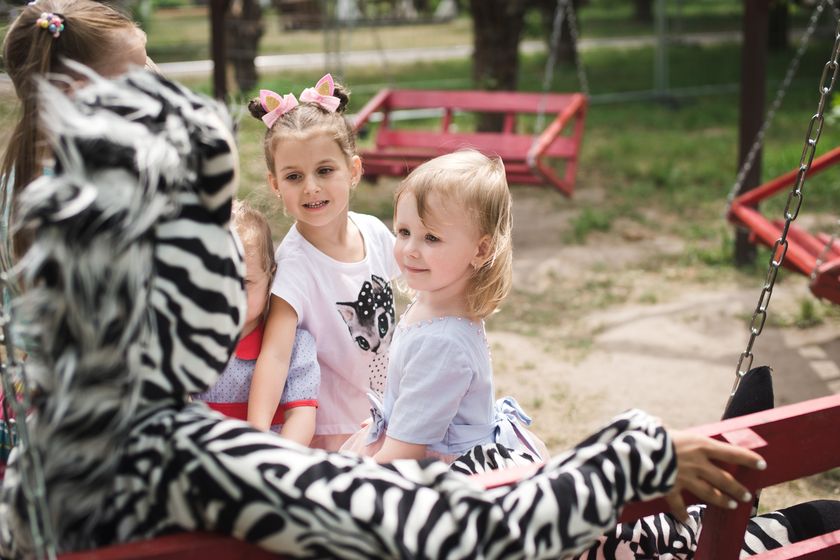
(276, 105)
(322, 94)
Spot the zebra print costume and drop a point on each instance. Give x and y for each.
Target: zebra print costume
(134, 296)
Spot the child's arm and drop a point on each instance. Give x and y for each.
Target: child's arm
(272, 364)
(394, 449)
(299, 424)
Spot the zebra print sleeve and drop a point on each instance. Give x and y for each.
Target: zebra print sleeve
(305, 503)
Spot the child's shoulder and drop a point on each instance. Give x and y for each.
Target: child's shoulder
(447, 332)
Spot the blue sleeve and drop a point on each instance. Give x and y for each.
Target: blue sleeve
(435, 380)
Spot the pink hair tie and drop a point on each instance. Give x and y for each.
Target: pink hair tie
(322, 94)
(276, 105)
(53, 23)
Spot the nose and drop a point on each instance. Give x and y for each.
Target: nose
(311, 185)
(411, 247)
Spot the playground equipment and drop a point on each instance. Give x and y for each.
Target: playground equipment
(527, 160)
(815, 255)
(532, 158)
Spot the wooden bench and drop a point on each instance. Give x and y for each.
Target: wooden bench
(529, 158)
(796, 440)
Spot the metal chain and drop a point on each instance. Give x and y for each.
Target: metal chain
(573, 28)
(749, 161)
(548, 75)
(794, 203)
(825, 250)
(29, 465)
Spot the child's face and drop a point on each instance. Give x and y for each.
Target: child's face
(314, 178)
(440, 255)
(256, 289)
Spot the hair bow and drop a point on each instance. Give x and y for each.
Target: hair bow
(276, 105)
(322, 94)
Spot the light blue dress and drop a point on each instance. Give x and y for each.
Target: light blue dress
(439, 392)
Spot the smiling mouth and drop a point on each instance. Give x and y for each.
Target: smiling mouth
(316, 205)
(415, 270)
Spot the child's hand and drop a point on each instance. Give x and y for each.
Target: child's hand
(366, 422)
(699, 475)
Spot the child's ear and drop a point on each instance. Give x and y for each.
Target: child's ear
(355, 171)
(272, 182)
(482, 253)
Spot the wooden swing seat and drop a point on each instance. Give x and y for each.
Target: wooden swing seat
(528, 159)
(804, 248)
(796, 440)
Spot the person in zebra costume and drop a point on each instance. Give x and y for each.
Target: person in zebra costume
(133, 293)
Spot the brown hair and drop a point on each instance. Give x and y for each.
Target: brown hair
(254, 233)
(306, 119)
(477, 184)
(30, 51)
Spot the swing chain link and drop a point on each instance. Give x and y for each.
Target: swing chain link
(792, 70)
(573, 28)
(794, 202)
(29, 466)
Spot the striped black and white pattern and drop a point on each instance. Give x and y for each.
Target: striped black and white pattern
(134, 297)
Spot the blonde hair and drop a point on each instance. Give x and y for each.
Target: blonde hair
(478, 184)
(30, 51)
(255, 234)
(305, 120)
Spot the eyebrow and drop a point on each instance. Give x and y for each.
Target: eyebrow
(322, 162)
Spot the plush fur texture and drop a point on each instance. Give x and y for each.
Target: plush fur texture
(133, 157)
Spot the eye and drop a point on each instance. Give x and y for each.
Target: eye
(293, 176)
(431, 238)
(402, 232)
(363, 343)
(325, 170)
(383, 324)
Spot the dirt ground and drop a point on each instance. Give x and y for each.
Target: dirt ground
(634, 327)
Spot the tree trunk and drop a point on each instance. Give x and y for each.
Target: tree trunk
(245, 28)
(566, 47)
(643, 10)
(777, 31)
(497, 26)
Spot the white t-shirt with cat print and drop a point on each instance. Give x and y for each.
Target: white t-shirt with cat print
(349, 309)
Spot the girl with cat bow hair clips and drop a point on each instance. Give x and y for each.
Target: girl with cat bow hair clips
(336, 264)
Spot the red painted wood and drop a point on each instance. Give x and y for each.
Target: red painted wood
(186, 546)
(528, 159)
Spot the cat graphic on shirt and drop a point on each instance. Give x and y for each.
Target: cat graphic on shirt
(370, 320)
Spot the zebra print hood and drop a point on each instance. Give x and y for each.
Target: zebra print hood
(133, 284)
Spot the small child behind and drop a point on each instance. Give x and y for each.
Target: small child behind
(295, 416)
(452, 219)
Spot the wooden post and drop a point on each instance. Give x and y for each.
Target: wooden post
(753, 80)
(218, 9)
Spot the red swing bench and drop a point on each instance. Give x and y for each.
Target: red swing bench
(796, 440)
(529, 159)
(804, 248)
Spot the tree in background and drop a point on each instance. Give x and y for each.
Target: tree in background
(244, 30)
(497, 31)
(777, 25)
(643, 10)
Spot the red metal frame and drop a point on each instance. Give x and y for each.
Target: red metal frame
(803, 248)
(527, 158)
